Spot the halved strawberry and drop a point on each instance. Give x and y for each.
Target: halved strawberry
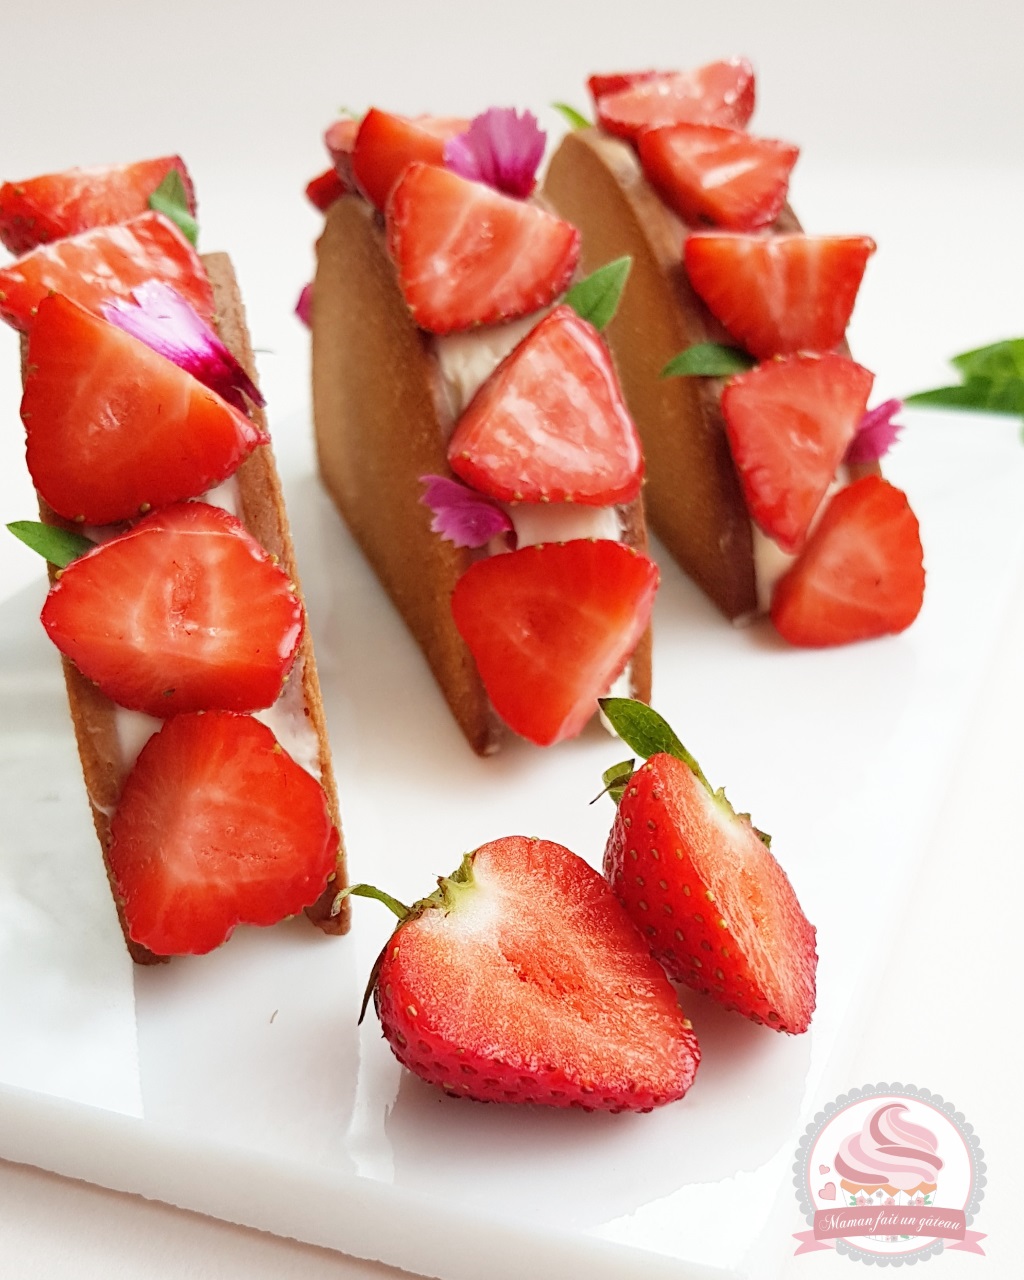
(789, 422)
(700, 881)
(386, 144)
(520, 979)
(861, 573)
(779, 294)
(615, 81)
(550, 424)
(467, 255)
(55, 205)
(105, 263)
(551, 626)
(324, 189)
(339, 139)
(114, 429)
(217, 826)
(724, 176)
(184, 612)
(718, 93)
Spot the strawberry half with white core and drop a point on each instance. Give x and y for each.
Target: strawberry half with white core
(719, 93)
(521, 979)
(550, 424)
(700, 881)
(551, 626)
(861, 573)
(723, 176)
(114, 429)
(217, 826)
(789, 423)
(162, 618)
(467, 255)
(779, 294)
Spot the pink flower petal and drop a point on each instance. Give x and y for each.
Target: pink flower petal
(162, 319)
(462, 515)
(876, 433)
(304, 306)
(502, 148)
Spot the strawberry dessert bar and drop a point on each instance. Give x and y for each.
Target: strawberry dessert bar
(763, 476)
(470, 425)
(174, 596)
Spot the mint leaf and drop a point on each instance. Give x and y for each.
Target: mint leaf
(596, 298)
(615, 780)
(993, 381)
(571, 115)
(171, 199)
(640, 727)
(59, 546)
(708, 360)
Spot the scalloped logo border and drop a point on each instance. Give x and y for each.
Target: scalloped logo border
(813, 1164)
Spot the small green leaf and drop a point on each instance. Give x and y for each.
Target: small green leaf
(371, 891)
(571, 115)
(993, 381)
(641, 728)
(708, 360)
(59, 546)
(596, 298)
(171, 199)
(615, 780)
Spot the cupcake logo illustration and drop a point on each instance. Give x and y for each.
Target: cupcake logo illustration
(889, 1174)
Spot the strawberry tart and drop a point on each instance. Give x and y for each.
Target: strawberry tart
(762, 455)
(470, 426)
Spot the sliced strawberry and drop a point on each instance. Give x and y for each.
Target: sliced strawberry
(723, 176)
(522, 980)
(386, 144)
(324, 189)
(55, 205)
(789, 422)
(467, 255)
(719, 93)
(105, 263)
(861, 573)
(717, 909)
(550, 627)
(184, 612)
(340, 139)
(779, 294)
(615, 81)
(550, 425)
(114, 429)
(217, 826)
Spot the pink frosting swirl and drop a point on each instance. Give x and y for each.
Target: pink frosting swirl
(889, 1151)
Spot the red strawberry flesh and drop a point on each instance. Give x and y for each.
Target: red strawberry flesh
(105, 263)
(717, 909)
(467, 255)
(386, 144)
(529, 984)
(551, 627)
(114, 429)
(551, 424)
(217, 826)
(162, 618)
(719, 93)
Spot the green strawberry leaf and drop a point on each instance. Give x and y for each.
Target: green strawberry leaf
(596, 298)
(59, 546)
(171, 199)
(615, 780)
(993, 381)
(571, 115)
(640, 727)
(371, 891)
(708, 360)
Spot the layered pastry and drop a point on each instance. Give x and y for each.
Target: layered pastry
(730, 344)
(175, 598)
(470, 426)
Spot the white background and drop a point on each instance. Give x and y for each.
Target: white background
(909, 117)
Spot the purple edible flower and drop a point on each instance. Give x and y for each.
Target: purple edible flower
(500, 147)
(304, 306)
(876, 433)
(162, 319)
(462, 515)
